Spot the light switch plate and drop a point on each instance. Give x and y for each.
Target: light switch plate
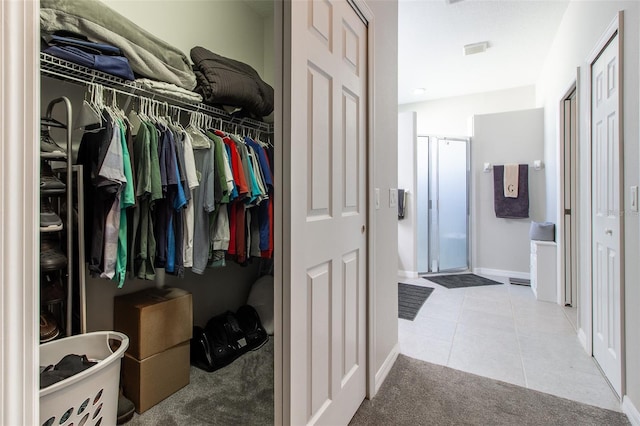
(634, 198)
(393, 197)
(377, 198)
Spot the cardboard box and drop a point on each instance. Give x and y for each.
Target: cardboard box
(154, 319)
(153, 379)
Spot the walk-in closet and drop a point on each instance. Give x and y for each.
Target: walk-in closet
(197, 278)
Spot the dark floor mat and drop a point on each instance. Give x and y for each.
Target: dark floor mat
(410, 300)
(461, 280)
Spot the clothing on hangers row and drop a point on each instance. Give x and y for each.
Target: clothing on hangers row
(160, 195)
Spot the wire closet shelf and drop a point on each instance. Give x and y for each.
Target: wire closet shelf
(68, 71)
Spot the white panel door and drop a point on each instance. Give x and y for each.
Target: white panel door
(606, 212)
(328, 212)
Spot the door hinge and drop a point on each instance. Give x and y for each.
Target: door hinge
(567, 211)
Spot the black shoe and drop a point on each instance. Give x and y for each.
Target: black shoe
(51, 290)
(49, 241)
(49, 149)
(49, 184)
(48, 327)
(49, 220)
(52, 260)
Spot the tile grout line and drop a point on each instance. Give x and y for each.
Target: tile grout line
(515, 327)
(455, 331)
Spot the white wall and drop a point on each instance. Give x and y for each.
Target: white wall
(385, 134)
(581, 27)
(510, 137)
(452, 116)
(227, 27)
(407, 180)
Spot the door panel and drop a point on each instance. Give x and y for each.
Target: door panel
(606, 214)
(328, 214)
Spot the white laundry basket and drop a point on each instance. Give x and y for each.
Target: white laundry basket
(89, 398)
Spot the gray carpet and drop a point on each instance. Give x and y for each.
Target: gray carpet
(410, 300)
(239, 394)
(461, 280)
(414, 393)
(420, 393)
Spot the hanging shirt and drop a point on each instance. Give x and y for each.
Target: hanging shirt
(140, 256)
(127, 199)
(99, 193)
(264, 219)
(113, 169)
(174, 242)
(205, 203)
(192, 179)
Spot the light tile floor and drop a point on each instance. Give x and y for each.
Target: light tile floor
(504, 333)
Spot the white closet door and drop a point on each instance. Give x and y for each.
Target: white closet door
(606, 205)
(328, 243)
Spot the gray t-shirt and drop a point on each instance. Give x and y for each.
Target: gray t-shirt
(204, 198)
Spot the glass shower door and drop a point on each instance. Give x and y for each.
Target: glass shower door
(450, 215)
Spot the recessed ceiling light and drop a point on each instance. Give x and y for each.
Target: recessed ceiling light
(419, 91)
(471, 49)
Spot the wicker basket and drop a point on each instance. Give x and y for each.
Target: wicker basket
(89, 398)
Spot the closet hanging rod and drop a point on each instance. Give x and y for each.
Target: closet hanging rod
(69, 71)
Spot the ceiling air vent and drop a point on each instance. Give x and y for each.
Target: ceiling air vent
(472, 49)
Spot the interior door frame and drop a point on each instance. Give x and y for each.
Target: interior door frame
(19, 160)
(282, 246)
(573, 89)
(614, 28)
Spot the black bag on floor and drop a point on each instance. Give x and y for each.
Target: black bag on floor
(226, 337)
(254, 332)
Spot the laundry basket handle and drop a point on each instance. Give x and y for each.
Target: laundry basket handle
(121, 337)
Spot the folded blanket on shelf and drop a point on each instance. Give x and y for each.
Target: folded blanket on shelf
(224, 81)
(168, 89)
(148, 55)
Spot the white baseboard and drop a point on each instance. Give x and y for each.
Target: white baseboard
(408, 274)
(386, 367)
(631, 411)
(502, 273)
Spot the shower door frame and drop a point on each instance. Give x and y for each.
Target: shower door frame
(433, 228)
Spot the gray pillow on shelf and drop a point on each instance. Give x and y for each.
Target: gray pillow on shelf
(542, 231)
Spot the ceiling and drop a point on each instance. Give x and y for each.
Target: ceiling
(432, 34)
